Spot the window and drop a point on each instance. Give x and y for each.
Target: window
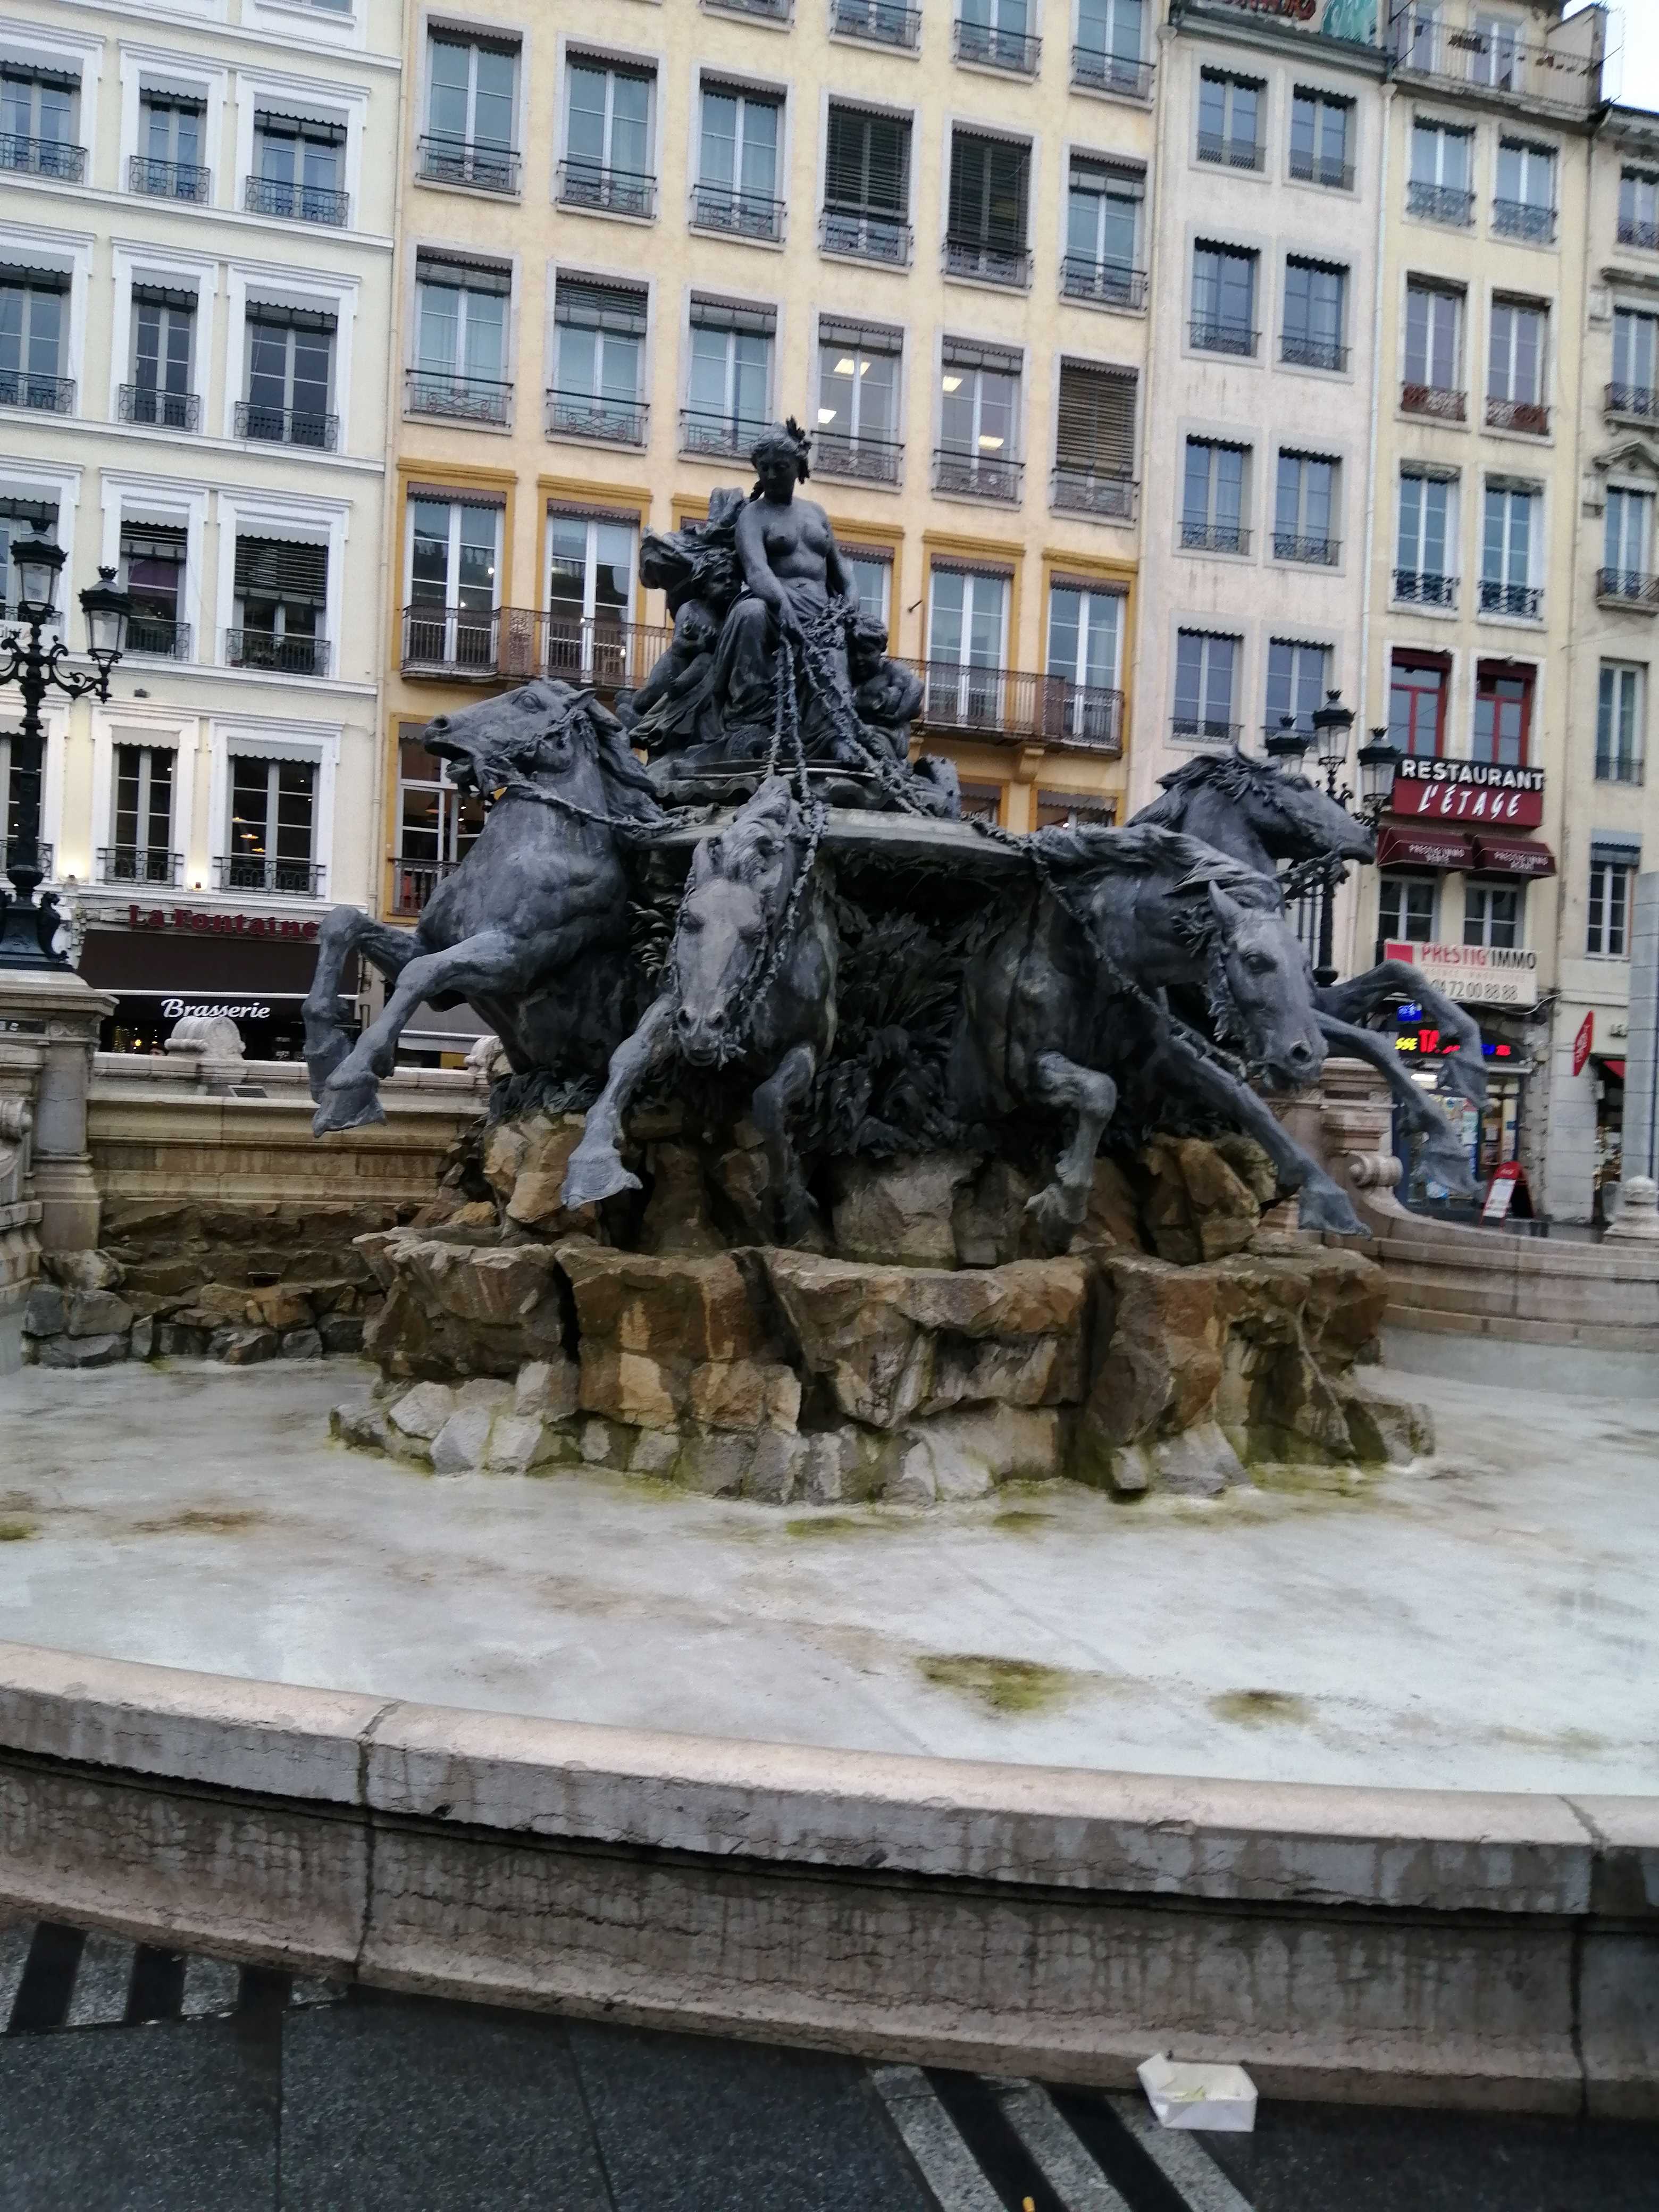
(1619, 724)
(298, 163)
(1434, 351)
(1495, 54)
(872, 583)
(33, 324)
(1628, 546)
(436, 825)
(1606, 933)
(1516, 367)
(1321, 137)
(1297, 680)
(1213, 502)
(290, 363)
(1071, 810)
(1405, 908)
(1638, 209)
(1224, 300)
(607, 139)
(1506, 556)
(152, 568)
(1417, 34)
(1315, 315)
(979, 421)
(590, 597)
(985, 231)
(867, 186)
(1230, 119)
(1085, 645)
(1426, 556)
(1491, 915)
(38, 112)
(163, 330)
(731, 382)
(1635, 389)
(142, 853)
(1305, 514)
(1418, 687)
(1095, 441)
(1206, 668)
(1503, 714)
(1525, 205)
(598, 352)
(282, 590)
(1103, 207)
(21, 518)
(737, 186)
(272, 811)
(169, 164)
(460, 340)
(967, 640)
(857, 400)
(471, 112)
(997, 34)
(454, 549)
(1443, 165)
(1111, 38)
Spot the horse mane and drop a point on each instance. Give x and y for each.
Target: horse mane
(733, 852)
(1232, 773)
(1143, 849)
(509, 759)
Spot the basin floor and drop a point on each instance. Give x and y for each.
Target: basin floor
(1485, 1622)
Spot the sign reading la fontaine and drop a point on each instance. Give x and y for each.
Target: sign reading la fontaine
(1468, 791)
(230, 925)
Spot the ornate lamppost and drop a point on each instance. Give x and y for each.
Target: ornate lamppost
(1287, 747)
(27, 928)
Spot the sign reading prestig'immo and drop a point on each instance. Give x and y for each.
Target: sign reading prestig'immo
(1479, 974)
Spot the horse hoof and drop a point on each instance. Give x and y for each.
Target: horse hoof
(1327, 1208)
(1053, 1217)
(590, 1182)
(347, 1106)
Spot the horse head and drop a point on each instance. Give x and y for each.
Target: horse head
(1247, 808)
(733, 909)
(548, 734)
(1260, 983)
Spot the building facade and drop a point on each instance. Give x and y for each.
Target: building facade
(195, 321)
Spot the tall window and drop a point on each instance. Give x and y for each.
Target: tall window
(1416, 28)
(1516, 367)
(731, 382)
(142, 853)
(967, 647)
(590, 597)
(1212, 501)
(1094, 439)
(858, 399)
(997, 31)
(460, 340)
(1425, 554)
(454, 549)
(290, 365)
(1635, 357)
(1440, 187)
(737, 186)
(1304, 514)
(599, 352)
(282, 590)
(299, 166)
(21, 518)
(1111, 38)
(1316, 315)
(1606, 934)
(1434, 347)
(1525, 204)
(1619, 724)
(34, 325)
(152, 570)
(1507, 551)
(1502, 714)
(1495, 56)
(1322, 139)
(1297, 680)
(471, 112)
(990, 188)
(1405, 908)
(169, 165)
(1638, 209)
(866, 185)
(1418, 687)
(436, 824)
(163, 330)
(1086, 646)
(979, 420)
(1628, 545)
(872, 583)
(1230, 119)
(607, 138)
(38, 109)
(1224, 300)
(1103, 207)
(273, 815)
(1206, 686)
(1492, 915)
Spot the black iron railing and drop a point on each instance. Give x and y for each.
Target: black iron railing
(738, 214)
(976, 475)
(1230, 153)
(1107, 281)
(162, 410)
(610, 191)
(860, 460)
(990, 265)
(1088, 716)
(880, 21)
(168, 180)
(1199, 536)
(1628, 587)
(1488, 56)
(1319, 169)
(43, 157)
(452, 641)
(138, 864)
(603, 421)
(1417, 587)
(1429, 399)
(718, 437)
(774, 11)
(518, 644)
(260, 872)
(46, 395)
(477, 169)
(158, 636)
(301, 203)
(1199, 729)
(43, 854)
(1643, 235)
(1523, 219)
(863, 236)
(1076, 489)
(458, 398)
(1300, 350)
(1518, 414)
(993, 49)
(1093, 71)
(286, 426)
(1440, 204)
(413, 882)
(1523, 600)
(1311, 552)
(1639, 401)
(1017, 703)
(283, 656)
(1211, 337)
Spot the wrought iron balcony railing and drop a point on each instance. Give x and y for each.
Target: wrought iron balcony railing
(1419, 588)
(1628, 587)
(1643, 235)
(1429, 399)
(46, 395)
(1093, 71)
(1299, 350)
(475, 168)
(158, 635)
(879, 21)
(285, 425)
(859, 459)
(300, 203)
(863, 236)
(1108, 283)
(43, 157)
(1089, 717)
(1075, 489)
(1310, 552)
(1488, 57)
(989, 265)
(1637, 401)
(977, 476)
(261, 872)
(1230, 153)
(162, 410)
(1017, 703)
(44, 854)
(453, 642)
(517, 644)
(138, 864)
(458, 398)
(282, 656)
(168, 180)
(737, 214)
(1524, 219)
(1525, 415)
(1525, 601)
(718, 437)
(608, 191)
(1211, 337)
(412, 884)
(1200, 729)
(600, 420)
(983, 43)
(1321, 169)
(774, 11)
(1199, 536)
(1439, 204)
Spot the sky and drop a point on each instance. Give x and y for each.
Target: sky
(1641, 43)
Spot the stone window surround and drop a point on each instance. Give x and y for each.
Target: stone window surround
(145, 68)
(273, 737)
(162, 500)
(329, 290)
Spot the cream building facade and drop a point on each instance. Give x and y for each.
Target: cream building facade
(195, 323)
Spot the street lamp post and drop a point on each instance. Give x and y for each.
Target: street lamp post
(1287, 747)
(28, 927)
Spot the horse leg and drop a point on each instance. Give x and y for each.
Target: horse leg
(1090, 1098)
(772, 1104)
(351, 1096)
(344, 932)
(1462, 1073)
(595, 1171)
(1441, 1156)
(1323, 1204)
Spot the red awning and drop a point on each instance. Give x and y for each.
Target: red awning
(1398, 846)
(1612, 1066)
(1513, 856)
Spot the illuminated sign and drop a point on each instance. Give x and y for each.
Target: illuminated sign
(1468, 791)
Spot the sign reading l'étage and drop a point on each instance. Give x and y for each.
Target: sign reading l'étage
(1468, 791)
(1482, 974)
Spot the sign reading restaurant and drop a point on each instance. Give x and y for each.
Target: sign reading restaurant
(1468, 791)
(1477, 974)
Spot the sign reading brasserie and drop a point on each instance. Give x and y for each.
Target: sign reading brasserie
(1479, 974)
(1468, 791)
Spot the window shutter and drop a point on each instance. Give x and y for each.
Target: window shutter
(867, 167)
(1096, 419)
(989, 179)
(1124, 180)
(271, 316)
(966, 353)
(275, 568)
(161, 295)
(152, 542)
(470, 276)
(308, 127)
(37, 280)
(708, 314)
(584, 304)
(860, 337)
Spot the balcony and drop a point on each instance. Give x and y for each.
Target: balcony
(457, 398)
(168, 180)
(258, 872)
(1634, 403)
(607, 191)
(989, 48)
(471, 169)
(1074, 489)
(1627, 587)
(43, 157)
(1017, 703)
(987, 263)
(1523, 219)
(1230, 153)
(1106, 284)
(1429, 399)
(159, 410)
(138, 864)
(861, 236)
(1416, 587)
(412, 884)
(1087, 717)
(1093, 71)
(1199, 729)
(285, 425)
(518, 644)
(1201, 537)
(299, 203)
(158, 636)
(1298, 349)
(859, 460)
(1522, 414)
(1525, 602)
(1644, 236)
(45, 395)
(44, 856)
(1440, 204)
(1489, 57)
(1319, 169)
(977, 476)
(1209, 337)
(597, 419)
(770, 11)
(1307, 552)
(718, 437)
(737, 214)
(280, 656)
(880, 21)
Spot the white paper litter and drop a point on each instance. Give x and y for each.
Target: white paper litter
(1191, 2096)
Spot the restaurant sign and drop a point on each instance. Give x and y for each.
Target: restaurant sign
(1468, 791)
(1336, 19)
(1477, 974)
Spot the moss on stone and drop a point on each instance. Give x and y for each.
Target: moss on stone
(1004, 1686)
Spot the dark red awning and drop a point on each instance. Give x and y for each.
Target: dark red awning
(1398, 846)
(1513, 856)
